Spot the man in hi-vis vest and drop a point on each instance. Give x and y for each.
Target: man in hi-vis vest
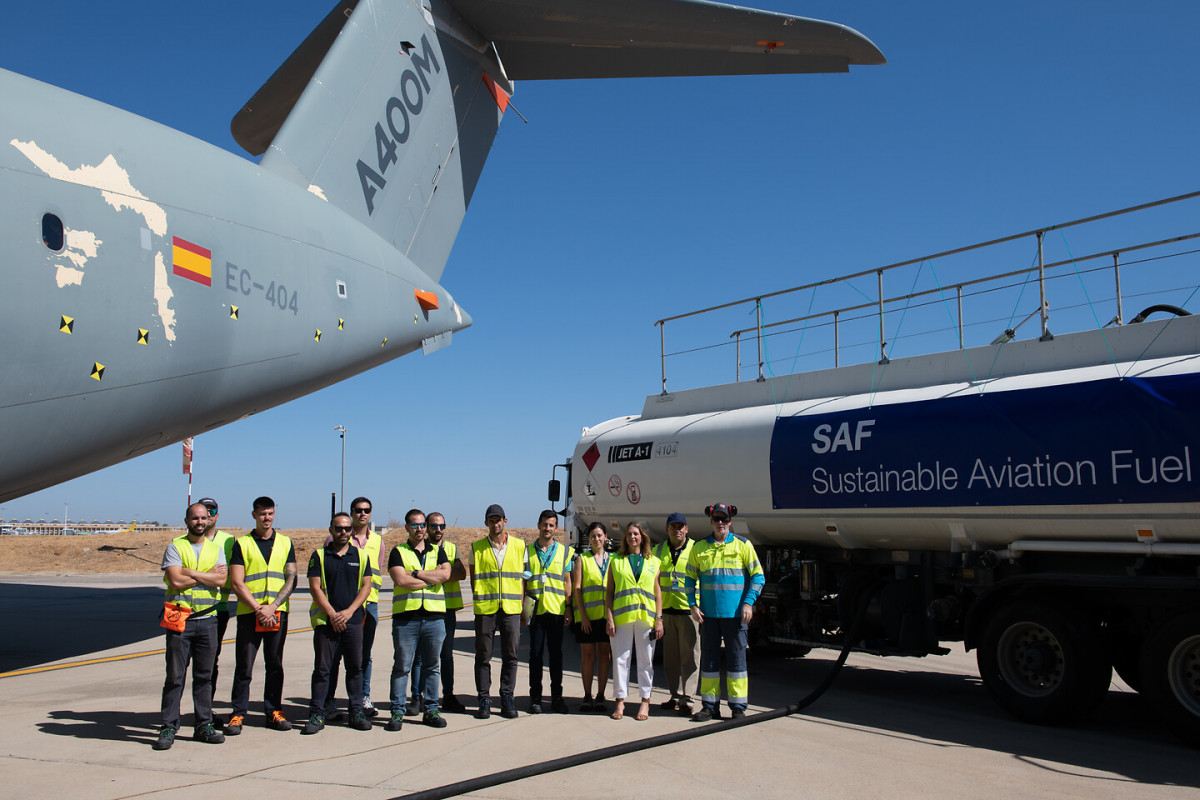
(194, 572)
(497, 588)
(263, 569)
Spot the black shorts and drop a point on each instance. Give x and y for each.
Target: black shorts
(597, 636)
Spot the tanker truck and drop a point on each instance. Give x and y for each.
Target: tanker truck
(1037, 500)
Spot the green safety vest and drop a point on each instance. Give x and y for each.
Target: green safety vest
(429, 598)
(498, 587)
(200, 599)
(592, 583)
(633, 598)
(263, 580)
(547, 585)
(226, 542)
(673, 576)
(452, 589)
(374, 541)
(315, 614)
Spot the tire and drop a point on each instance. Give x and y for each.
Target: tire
(1043, 664)
(1170, 671)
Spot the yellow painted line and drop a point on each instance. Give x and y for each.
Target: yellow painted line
(128, 656)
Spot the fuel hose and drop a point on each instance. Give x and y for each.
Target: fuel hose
(640, 745)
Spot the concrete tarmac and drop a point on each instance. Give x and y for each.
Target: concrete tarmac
(82, 679)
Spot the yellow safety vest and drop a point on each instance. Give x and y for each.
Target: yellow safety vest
(498, 587)
(263, 580)
(374, 542)
(226, 542)
(592, 583)
(428, 598)
(199, 598)
(633, 598)
(452, 589)
(672, 577)
(315, 614)
(547, 585)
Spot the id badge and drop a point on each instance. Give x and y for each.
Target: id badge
(174, 617)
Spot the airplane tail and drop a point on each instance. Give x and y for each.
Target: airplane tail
(388, 109)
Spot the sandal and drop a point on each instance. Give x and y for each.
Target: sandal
(644, 712)
(619, 711)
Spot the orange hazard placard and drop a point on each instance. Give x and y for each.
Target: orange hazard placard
(174, 617)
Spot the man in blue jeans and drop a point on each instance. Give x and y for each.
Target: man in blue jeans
(418, 570)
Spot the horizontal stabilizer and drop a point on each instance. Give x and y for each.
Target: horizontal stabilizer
(541, 39)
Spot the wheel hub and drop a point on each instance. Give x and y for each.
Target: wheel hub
(1031, 659)
(1183, 673)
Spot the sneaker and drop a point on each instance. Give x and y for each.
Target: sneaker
(485, 708)
(669, 705)
(508, 709)
(208, 734)
(452, 705)
(369, 708)
(705, 714)
(332, 714)
(166, 738)
(315, 724)
(234, 726)
(395, 723)
(278, 722)
(558, 706)
(535, 706)
(416, 708)
(359, 721)
(737, 713)
(433, 719)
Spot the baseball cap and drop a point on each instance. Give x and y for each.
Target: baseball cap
(495, 510)
(721, 509)
(676, 519)
(209, 503)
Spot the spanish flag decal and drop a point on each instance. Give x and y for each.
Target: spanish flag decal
(192, 261)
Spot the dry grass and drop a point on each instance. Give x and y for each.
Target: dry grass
(140, 552)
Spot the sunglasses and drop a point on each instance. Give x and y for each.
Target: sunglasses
(361, 510)
(721, 520)
(417, 526)
(343, 528)
(433, 526)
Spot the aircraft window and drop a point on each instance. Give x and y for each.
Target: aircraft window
(52, 232)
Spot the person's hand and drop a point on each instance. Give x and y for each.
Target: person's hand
(747, 613)
(697, 616)
(586, 624)
(266, 615)
(658, 629)
(339, 620)
(610, 628)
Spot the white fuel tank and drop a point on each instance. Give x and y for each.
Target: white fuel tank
(1092, 436)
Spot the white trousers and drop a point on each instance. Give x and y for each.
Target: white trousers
(632, 638)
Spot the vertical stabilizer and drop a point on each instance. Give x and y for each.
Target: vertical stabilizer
(394, 125)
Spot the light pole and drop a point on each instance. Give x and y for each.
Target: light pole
(342, 430)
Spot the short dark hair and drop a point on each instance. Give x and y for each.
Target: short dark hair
(435, 514)
(547, 514)
(338, 514)
(411, 513)
(263, 502)
(358, 500)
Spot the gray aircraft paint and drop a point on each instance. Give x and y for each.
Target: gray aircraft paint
(118, 349)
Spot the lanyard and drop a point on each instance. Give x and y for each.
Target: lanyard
(603, 567)
(549, 557)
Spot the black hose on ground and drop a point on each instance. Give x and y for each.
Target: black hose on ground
(639, 745)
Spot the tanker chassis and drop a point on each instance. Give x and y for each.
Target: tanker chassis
(1045, 515)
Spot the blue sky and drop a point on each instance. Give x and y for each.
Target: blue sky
(621, 202)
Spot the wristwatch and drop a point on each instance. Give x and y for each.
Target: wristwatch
(414, 573)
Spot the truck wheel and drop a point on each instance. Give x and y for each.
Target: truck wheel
(1043, 664)
(1170, 670)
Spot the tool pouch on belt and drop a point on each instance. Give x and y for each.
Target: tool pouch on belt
(174, 617)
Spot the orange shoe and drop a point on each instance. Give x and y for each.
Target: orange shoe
(234, 726)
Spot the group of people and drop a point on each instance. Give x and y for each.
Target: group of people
(693, 596)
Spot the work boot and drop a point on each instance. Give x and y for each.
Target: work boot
(535, 705)
(706, 714)
(485, 707)
(433, 719)
(559, 706)
(208, 734)
(315, 724)
(737, 713)
(508, 709)
(395, 723)
(166, 738)
(234, 726)
(359, 721)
